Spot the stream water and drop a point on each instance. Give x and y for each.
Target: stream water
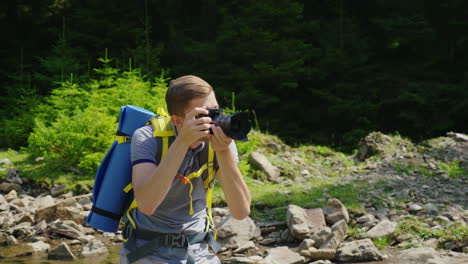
(111, 258)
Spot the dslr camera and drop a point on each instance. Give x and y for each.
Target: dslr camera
(235, 126)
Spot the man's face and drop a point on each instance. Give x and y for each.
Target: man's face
(208, 101)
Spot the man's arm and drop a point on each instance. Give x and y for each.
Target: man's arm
(151, 183)
(235, 189)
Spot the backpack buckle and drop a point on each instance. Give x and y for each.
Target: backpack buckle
(175, 240)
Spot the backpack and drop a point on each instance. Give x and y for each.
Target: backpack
(113, 198)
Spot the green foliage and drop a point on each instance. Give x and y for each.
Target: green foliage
(453, 169)
(383, 242)
(410, 169)
(449, 230)
(75, 127)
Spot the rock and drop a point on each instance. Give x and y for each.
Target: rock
(431, 242)
(245, 247)
(419, 256)
(365, 218)
(260, 162)
(5, 162)
(58, 190)
(67, 228)
(12, 176)
(233, 233)
(414, 207)
(338, 234)
(335, 211)
(372, 144)
(11, 241)
(41, 226)
(430, 209)
(315, 254)
(12, 195)
(67, 209)
(245, 260)
(94, 247)
(358, 251)
(22, 229)
(305, 244)
(384, 228)
(321, 236)
(283, 255)
(286, 236)
(39, 247)
(8, 186)
(322, 262)
(62, 252)
(303, 222)
(41, 202)
(2, 200)
(458, 136)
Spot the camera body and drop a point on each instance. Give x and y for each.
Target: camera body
(235, 126)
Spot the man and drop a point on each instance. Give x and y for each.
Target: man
(163, 199)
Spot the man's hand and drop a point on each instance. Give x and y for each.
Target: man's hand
(195, 129)
(219, 140)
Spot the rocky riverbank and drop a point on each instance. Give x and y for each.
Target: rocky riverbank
(413, 208)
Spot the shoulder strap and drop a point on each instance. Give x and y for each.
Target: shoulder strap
(162, 128)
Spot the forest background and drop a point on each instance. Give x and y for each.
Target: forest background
(312, 72)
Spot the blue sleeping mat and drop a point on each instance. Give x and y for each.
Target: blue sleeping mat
(115, 173)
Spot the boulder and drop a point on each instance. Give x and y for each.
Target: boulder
(372, 144)
(283, 255)
(338, 234)
(62, 252)
(58, 190)
(67, 228)
(245, 247)
(12, 195)
(335, 211)
(305, 244)
(12, 176)
(41, 202)
(39, 247)
(304, 222)
(358, 251)
(244, 260)
(316, 254)
(260, 162)
(8, 186)
(5, 162)
(321, 236)
(233, 233)
(384, 228)
(419, 256)
(94, 247)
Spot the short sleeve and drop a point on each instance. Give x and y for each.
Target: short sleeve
(143, 146)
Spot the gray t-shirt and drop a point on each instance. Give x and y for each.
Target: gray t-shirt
(172, 215)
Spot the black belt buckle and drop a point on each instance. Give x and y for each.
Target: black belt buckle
(175, 240)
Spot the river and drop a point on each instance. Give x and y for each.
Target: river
(111, 258)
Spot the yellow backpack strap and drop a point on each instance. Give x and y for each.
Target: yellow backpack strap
(209, 184)
(133, 205)
(162, 127)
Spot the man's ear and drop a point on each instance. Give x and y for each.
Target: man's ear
(177, 120)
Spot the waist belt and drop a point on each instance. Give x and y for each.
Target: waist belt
(156, 240)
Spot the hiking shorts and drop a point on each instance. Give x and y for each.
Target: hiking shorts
(172, 255)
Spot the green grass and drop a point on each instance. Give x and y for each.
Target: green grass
(449, 231)
(31, 169)
(453, 169)
(383, 242)
(409, 169)
(270, 201)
